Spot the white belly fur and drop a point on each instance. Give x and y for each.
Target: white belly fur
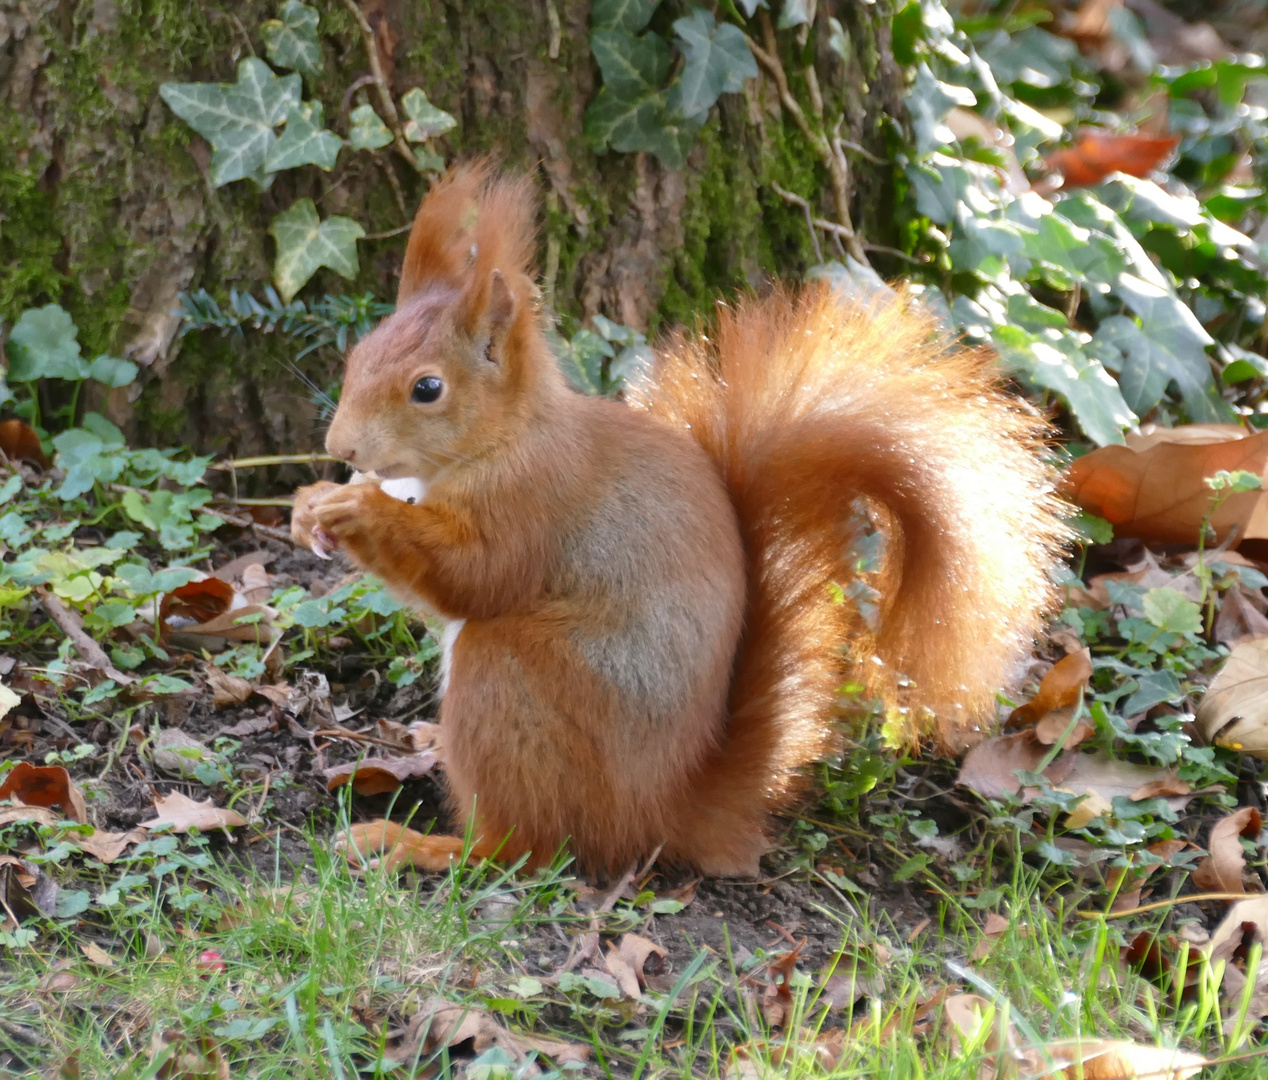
(412, 490)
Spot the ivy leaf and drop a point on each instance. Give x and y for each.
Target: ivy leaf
(368, 132)
(1052, 359)
(631, 66)
(305, 243)
(718, 61)
(425, 120)
(628, 15)
(1169, 344)
(794, 13)
(305, 141)
(112, 371)
(928, 102)
(630, 125)
(750, 6)
(238, 119)
(292, 41)
(43, 344)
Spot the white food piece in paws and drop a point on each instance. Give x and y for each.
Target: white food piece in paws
(448, 639)
(406, 488)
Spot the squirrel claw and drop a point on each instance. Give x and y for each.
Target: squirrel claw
(323, 544)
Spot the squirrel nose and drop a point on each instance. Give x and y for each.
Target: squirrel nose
(347, 454)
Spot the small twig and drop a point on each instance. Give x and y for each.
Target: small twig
(1158, 905)
(70, 625)
(556, 31)
(277, 534)
(393, 181)
(881, 249)
(346, 105)
(381, 84)
(230, 464)
(797, 200)
(353, 736)
(845, 144)
(235, 501)
(389, 233)
(224, 515)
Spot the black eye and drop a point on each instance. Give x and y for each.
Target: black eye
(427, 390)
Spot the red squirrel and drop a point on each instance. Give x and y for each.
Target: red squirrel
(645, 648)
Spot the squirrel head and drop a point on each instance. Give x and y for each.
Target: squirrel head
(451, 375)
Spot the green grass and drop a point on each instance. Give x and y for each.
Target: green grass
(322, 970)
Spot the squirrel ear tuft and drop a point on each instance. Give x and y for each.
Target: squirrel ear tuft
(440, 245)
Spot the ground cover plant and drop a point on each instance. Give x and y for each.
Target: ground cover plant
(191, 708)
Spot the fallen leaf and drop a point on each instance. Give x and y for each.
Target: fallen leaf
(177, 752)
(1060, 688)
(97, 955)
(18, 442)
(252, 725)
(1221, 871)
(626, 961)
(375, 776)
(1117, 1059)
(777, 999)
(990, 767)
(183, 813)
(227, 689)
(966, 1013)
(60, 979)
(107, 846)
(195, 602)
(40, 815)
(440, 1023)
(1239, 620)
(187, 1058)
(257, 587)
(1153, 488)
(1097, 154)
(44, 785)
(1234, 711)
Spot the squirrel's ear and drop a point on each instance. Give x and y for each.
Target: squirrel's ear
(501, 309)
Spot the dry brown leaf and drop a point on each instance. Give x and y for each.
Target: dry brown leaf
(40, 815)
(1154, 487)
(187, 1058)
(60, 979)
(194, 602)
(278, 693)
(44, 785)
(107, 846)
(1056, 723)
(1117, 1059)
(777, 999)
(1096, 154)
(226, 689)
(257, 587)
(995, 926)
(230, 626)
(375, 776)
(182, 813)
(1234, 711)
(626, 963)
(1221, 871)
(1060, 688)
(252, 725)
(441, 1023)
(97, 955)
(1239, 619)
(990, 767)
(965, 1014)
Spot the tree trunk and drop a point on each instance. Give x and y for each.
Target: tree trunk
(107, 209)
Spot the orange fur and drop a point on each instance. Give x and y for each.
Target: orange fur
(651, 649)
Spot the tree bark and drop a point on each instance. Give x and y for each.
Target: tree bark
(107, 209)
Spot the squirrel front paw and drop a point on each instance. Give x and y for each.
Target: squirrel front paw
(353, 517)
(305, 528)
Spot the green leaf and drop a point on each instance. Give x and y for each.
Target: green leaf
(632, 66)
(794, 13)
(928, 102)
(638, 124)
(238, 119)
(1051, 358)
(43, 345)
(1172, 611)
(425, 120)
(1169, 344)
(368, 132)
(305, 243)
(292, 41)
(628, 15)
(718, 60)
(112, 371)
(304, 142)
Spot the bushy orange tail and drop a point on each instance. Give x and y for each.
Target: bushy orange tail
(828, 419)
